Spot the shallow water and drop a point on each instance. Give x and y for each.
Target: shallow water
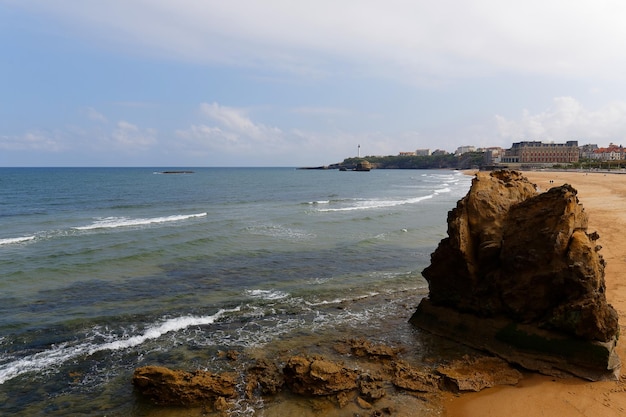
(104, 270)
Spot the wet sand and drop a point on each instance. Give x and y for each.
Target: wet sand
(603, 197)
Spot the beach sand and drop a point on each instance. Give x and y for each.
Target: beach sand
(603, 197)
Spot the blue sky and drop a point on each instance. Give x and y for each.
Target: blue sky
(286, 83)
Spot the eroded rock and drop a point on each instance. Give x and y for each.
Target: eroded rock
(317, 376)
(172, 387)
(326, 382)
(479, 373)
(263, 378)
(362, 348)
(410, 378)
(520, 276)
(371, 387)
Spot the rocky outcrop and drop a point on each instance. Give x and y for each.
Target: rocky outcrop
(362, 348)
(414, 379)
(371, 383)
(478, 373)
(519, 275)
(317, 376)
(165, 386)
(264, 378)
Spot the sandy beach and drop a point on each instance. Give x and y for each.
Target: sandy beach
(603, 197)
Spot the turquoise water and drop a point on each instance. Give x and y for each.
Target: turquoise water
(106, 269)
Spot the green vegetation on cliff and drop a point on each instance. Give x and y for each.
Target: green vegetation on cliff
(448, 161)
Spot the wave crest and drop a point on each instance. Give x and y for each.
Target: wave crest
(58, 354)
(114, 222)
(15, 240)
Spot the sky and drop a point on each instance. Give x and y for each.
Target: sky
(292, 83)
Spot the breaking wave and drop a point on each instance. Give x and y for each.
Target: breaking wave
(64, 352)
(15, 240)
(114, 222)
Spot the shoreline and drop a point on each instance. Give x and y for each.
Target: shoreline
(603, 198)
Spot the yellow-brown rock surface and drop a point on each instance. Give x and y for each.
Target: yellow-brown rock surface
(518, 257)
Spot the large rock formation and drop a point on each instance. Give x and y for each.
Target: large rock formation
(520, 276)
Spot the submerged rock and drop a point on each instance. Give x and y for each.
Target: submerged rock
(520, 276)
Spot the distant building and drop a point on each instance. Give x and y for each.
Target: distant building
(418, 152)
(610, 153)
(587, 151)
(539, 153)
(439, 152)
(493, 155)
(464, 149)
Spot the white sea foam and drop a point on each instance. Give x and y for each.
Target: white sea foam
(58, 354)
(377, 204)
(15, 240)
(113, 222)
(341, 300)
(280, 232)
(267, 294)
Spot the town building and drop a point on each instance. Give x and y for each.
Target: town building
(540, 153)
(493, 155)
(464, 149)
(417, 152)
(610, 153)
(587, 151)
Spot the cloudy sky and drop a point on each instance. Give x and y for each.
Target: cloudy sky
(295, 83)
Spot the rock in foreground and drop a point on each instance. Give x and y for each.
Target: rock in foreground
(375, 381)
(520, 276)
(173, 387)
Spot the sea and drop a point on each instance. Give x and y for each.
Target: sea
(103, 270)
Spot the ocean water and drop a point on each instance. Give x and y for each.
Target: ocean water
(103, 270)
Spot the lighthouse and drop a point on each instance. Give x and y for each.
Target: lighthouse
(358, 151)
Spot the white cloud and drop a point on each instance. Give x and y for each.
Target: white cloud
(567, 119)
(408, 39)
(237, 121)
(236, 134)
(128, 137)
(203, 138)
(35, 140)
(96, 116)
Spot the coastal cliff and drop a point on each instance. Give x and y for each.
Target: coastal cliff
(520, 276)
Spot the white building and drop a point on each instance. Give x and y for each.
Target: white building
(610, 153)
(464, 149)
